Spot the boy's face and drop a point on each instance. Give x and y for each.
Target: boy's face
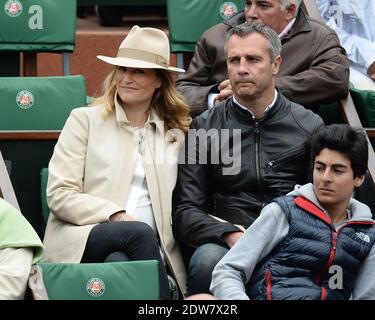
(333, 180)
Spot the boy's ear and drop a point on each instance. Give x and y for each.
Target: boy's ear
(358, 181)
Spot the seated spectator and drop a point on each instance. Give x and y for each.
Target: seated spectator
(314, 71)
(20, 247)
(240, 154)
(114, 166)
(316, 242)
(354, 22)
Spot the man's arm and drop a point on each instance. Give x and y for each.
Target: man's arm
(206, 71)
(235, 269)
(325, 80)
(194, 84)
(360, 50)
(192, 203)
(65, 195)
(371, 71)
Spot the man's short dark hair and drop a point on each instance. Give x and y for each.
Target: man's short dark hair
(344, 139)
(246, 28)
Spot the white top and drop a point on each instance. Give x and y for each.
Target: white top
(138, 202)
(268, 108)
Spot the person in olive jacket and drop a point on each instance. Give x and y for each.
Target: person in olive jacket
(315, 68)
(240, 154)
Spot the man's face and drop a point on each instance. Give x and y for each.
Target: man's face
(250, 69)
(333, 179)
(269, 12)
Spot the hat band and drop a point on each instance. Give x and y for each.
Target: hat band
(142, 55)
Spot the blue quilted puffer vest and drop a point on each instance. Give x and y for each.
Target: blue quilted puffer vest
(307, 264)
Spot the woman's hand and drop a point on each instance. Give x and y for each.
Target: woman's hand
(121, 216)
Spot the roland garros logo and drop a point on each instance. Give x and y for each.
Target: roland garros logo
(13, 8)
(95, 287)
(25, 99)
(228, 9)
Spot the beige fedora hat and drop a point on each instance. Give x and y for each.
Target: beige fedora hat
(143, 48)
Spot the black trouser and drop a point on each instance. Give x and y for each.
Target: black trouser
(124, 241)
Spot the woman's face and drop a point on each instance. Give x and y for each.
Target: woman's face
(136, 86)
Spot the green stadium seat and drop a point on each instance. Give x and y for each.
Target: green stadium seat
(32, 113)
(42, 103)
(188, 19)
(43, 195)
(121, 2)
(38, 26)
(331, 113)
(364, 101)
(131, 280)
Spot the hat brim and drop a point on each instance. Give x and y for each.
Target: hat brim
(133, 63)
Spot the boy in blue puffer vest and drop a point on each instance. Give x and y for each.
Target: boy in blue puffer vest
(315, 243)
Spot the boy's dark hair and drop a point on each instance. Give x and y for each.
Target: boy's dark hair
(343, 138)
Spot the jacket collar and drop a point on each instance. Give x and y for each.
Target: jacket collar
(300, 25)
(153, 117)
(266, 109)
(359, 211)
(235, 20)
(279, 110)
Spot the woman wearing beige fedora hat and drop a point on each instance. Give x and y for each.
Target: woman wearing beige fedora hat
(114, 166)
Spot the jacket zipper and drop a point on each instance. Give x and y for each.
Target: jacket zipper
(268, 284)
(286, 156)
(257, 153)
(328, 264)
(323, 295)
(333, 252)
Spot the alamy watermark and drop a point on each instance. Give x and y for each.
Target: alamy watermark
(213, 147)
(337, 279)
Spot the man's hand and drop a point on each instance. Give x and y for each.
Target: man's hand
(121, 216)
(225, 92)
(232, 238)
(371, 71)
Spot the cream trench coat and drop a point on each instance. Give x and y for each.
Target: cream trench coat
(90, 173)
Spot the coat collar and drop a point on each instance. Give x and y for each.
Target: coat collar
(235, 20)
(279, 110)
(300, 25)
(153, 117)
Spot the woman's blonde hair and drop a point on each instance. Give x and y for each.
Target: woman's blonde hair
(167, 102)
